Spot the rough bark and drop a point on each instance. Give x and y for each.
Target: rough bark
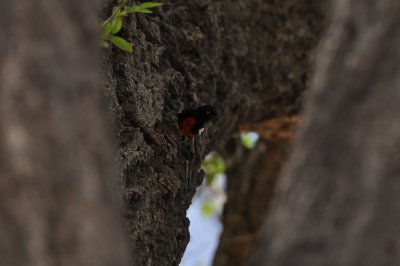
(251, 185)
(338, 200)
(58, 203)
(249, 59)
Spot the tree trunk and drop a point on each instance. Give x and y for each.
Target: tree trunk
(249, 59)
(338, 200)
(251, 184)
(58, 203)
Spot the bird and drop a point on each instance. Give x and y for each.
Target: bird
(191, 122)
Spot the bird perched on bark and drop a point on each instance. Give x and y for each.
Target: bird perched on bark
(191, 122)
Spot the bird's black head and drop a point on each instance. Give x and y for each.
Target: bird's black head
(207, 113)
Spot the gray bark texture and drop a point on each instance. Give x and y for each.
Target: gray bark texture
(249, 59)
(58, 196)
(338, 200)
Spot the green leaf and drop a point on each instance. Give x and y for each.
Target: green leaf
(116, 25)
(121, 43)
(213, 165)
(248, 140)
(149, 5)
(144, 11)
(104, 44)
(131, 9)
(116, 12)
(106, 29)
(208, 207)
(142, 8)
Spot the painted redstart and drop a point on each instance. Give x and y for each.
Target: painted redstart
(191, 122)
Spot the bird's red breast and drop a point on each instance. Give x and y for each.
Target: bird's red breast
(186, 125)
(191, 122)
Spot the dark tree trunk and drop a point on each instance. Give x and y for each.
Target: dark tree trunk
(248, 58)
(58, 203)
(252, 177)
(251, 184)
(339, 196)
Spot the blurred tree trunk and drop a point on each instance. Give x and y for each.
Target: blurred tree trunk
(58, 203)
(252, 177)
(251, 183)
(338, 200)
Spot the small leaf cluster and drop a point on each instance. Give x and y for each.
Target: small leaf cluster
(249, 140)
(111, 26)
(214, 192)
(208, 208)
(213, 165)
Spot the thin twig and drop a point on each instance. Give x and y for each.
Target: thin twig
(120, 6)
